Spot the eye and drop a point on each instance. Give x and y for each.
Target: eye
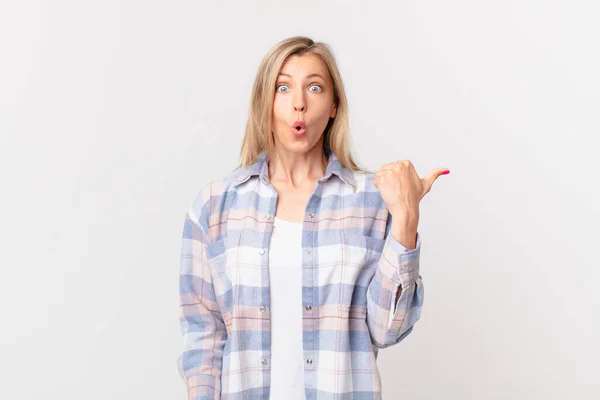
(317, 86)
(280, 86)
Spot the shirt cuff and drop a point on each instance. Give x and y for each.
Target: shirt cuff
(401, 265)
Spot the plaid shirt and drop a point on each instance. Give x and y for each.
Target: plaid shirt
(352, 268)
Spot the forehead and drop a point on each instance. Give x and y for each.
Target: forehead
(300, 66)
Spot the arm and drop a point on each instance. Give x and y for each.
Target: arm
(395, 294)
(202, 326)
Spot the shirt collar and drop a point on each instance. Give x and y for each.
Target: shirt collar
(260, 169)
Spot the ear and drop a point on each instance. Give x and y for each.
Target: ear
(333, 111)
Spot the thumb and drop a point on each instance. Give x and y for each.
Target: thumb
(432, 176)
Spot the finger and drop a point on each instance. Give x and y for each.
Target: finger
(395, 164)
(384, 168)
(389, 165)
(383, 172)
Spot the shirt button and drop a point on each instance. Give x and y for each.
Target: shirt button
(262, 309)
(310, 215)
(308, 307)
(261, 251)
(309, 361)
(307, 251)
(264, 361)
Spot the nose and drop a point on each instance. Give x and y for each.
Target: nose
(299, 102)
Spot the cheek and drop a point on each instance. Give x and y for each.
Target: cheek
(278, 110)
(325, 107)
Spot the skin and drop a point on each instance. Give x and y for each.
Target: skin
(299, 162)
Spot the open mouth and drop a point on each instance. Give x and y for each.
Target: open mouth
(299, 128)
(299, 132)
(299, 125)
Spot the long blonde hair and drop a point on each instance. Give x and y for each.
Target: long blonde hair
(258, 135)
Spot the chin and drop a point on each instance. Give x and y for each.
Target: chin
(299, 146)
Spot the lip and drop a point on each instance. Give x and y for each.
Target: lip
(299, 132)
(299, 123)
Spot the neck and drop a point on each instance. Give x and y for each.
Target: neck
(295, 169)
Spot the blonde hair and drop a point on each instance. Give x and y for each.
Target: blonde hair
(258, 135)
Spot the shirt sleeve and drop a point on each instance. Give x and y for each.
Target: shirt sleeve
(202, 326)
(401, 250)
(389, 322)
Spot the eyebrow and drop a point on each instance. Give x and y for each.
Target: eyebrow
(308, 76)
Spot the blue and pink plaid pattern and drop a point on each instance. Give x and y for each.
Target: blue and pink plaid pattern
(351, 270)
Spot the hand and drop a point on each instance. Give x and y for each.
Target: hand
(402, 189)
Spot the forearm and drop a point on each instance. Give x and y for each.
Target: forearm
(404, 228)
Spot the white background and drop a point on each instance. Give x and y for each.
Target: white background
(113, 114)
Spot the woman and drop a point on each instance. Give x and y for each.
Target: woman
(293, 272)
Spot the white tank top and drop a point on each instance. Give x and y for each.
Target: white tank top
(285, 271)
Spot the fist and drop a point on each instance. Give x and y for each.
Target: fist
(402, 189)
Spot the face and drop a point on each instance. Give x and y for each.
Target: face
(303, 92)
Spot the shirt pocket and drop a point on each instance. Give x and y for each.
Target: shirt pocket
(360, 258)
(238, 276)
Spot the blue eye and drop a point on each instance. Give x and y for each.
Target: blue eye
(312, 86)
